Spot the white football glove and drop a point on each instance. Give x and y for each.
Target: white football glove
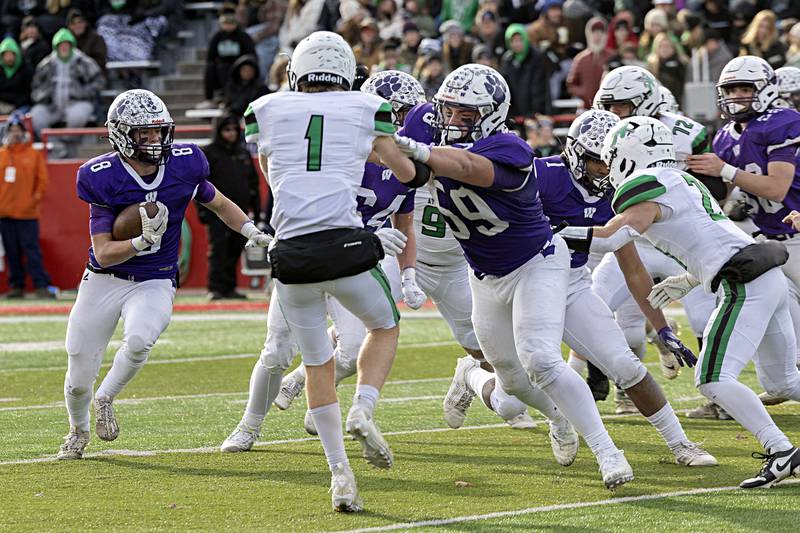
(412, 294)
(417, 151)
(255, 237)
(152, 228)
(672, 288)
(392, 240)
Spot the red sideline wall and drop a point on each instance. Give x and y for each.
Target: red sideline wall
(64, 232)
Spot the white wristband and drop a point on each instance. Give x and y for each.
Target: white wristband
(728, 173)
(248, 229)
(139, 243)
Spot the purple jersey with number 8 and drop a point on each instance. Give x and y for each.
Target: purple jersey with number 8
(109, 185)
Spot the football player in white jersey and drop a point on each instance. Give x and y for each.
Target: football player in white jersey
(674, 210)
(320, 245)
(633, 91)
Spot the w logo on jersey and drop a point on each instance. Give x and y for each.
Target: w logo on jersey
(151, 196)
(588, 212)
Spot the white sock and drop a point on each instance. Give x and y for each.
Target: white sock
(264, 388)
(476, 379)
(328, 421)
(745, 407)
(123, 370)
(572, 396)
(506, 405)
(578, 365)
(667, 425)
(367, 396)
(78, 406)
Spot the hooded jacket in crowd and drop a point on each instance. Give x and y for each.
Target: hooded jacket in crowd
(587, 68)
(525, 73)
(239, 93)
(15, 81)
(59, 81)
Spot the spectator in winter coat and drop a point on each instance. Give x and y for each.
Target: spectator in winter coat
(245, 84)
(34, 47)
(587, 67)
(226, 46)
(716, 53)
(620, 31)
(523, 68)
(367, 51)
(668, 65)
(300, 21)
(66, 85)
(15, 81)
(410, 43)
(89, 41)
(21, 190)
(456, 48)
(761, 40)
(233, 173)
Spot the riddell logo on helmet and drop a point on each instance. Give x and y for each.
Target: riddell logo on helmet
(325, 78)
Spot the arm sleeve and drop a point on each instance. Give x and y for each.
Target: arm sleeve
(101, 219)
(251, 131)
(205, 192)
(783, 138)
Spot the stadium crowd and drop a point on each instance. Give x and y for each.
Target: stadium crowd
(54, 52)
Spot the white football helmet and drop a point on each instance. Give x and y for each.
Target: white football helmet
(629, 84)
(324, 58)
(584, 141)
(668, 102)
(477, 87)
(747, 70)
(789, 85)
(401, 90)
(636, 143)
(139, 109)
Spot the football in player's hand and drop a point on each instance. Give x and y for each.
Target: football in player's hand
(128, 223)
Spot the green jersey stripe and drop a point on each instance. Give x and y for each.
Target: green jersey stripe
(700, 144)
(384, 127)
(643, 192)
(251, 129)
(635, 182)
(380, 277)
(719, 336)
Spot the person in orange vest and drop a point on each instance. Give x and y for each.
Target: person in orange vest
(23, 178)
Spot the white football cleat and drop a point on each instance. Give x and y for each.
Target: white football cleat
(690, 454)
(564, 441)
(374, 447)
(344, 492)
(521, 421)
(459, 397)
(308, 423)
(623, 404)
(105, 424)
(290, 389)
(74, 444)
(241, 440)
(616, 470)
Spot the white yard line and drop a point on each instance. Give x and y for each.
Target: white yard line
(50, 346)
(214, 449)
(551, 508)
(432, 344)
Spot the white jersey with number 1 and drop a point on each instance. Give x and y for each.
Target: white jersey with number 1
(316, 145)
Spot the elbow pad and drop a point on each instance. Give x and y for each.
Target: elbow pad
(421, 176)
(617, 240)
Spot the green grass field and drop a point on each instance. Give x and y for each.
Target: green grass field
(164, 472)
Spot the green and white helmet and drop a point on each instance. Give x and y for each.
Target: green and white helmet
(629, 84)
(636, 143)
(789, 85)
(668, 101)
(323, 58)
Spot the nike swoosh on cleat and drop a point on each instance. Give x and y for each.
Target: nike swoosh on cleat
(781, 467)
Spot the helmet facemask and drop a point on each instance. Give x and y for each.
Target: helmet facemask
(737, 108)
(575, 157)
(457, 133)
(150, 154)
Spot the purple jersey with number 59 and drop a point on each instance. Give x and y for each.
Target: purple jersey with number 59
(110, 185)
(773, 136)
(381, 195)
(502, 226)
(564, 200)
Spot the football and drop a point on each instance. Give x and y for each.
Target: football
(128, 223)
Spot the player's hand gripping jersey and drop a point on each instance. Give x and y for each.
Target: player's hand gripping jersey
(773, 136)
(338, 130)
(109, 185)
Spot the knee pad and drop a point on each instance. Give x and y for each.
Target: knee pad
(465, 335)
(543, 373)
(514, 382)
(626, 371)
(709, 390)
(278, 351)
(137, 348)
(507, 407)
(76, 387)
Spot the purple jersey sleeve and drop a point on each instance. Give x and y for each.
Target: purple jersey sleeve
(101, 219)
(205, 192)
(511, 156)
(408, 204)
(419, 124)
(782, 137)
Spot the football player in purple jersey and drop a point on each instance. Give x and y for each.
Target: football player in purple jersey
(758, 152)
(519, 269)
(132, 279)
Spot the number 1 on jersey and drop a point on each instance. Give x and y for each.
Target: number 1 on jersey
(314, 138)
